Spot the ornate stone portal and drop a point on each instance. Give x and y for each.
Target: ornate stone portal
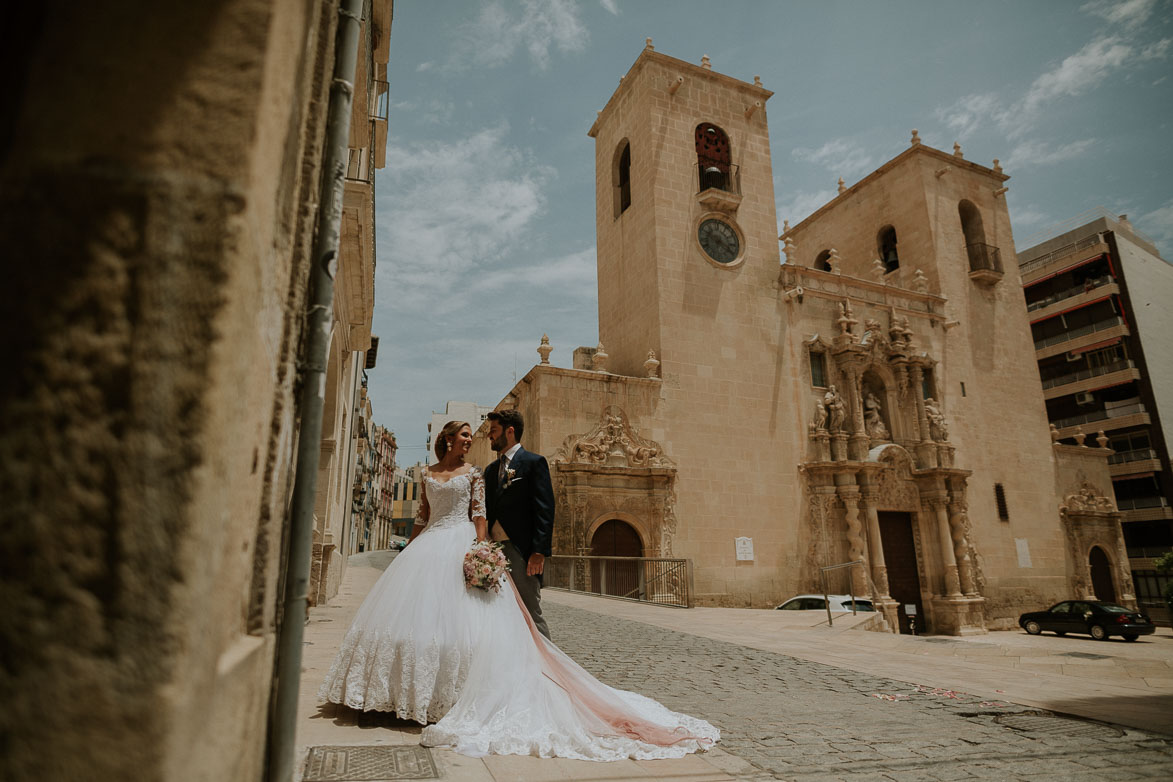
(880, 445)
(611, 472)
(1091, 520)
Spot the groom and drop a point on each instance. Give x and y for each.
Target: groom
(520, 508)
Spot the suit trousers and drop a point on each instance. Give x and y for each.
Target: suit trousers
(529, 587)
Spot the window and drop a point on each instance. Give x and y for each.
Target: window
(887, 244)
(622, 178)
(926, 384)
(823, 261)
(981, 255)
(818, 369)
(1000, 499)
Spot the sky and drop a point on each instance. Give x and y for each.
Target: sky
(485, 219)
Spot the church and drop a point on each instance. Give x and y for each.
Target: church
(870, 398)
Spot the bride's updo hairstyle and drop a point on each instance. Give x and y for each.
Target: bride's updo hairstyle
(450, 429)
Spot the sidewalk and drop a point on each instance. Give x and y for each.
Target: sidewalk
(337, 726)
(1129, 684)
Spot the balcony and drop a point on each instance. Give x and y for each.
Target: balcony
(1145, 509)
(719, 186)
(1082, 336)
(1132, 462)
(1091, 379)
(985, 263)
(1072, 298)
(1124, 417)
(1070, 255)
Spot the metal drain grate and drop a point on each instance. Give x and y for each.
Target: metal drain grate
(369, 764)
(1085, 655)
(1054, 725)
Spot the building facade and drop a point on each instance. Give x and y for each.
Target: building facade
(354, 302)
(405, 498)
(164, 223)
(1097, 297)
(871, 400)
(384, 487)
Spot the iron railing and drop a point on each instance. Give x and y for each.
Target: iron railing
(713, 176)
(1087, 374)
(1141, 503)
(1067, 249)
(1099, 415)
(984, 257)
(850, 588)
(1076, 290)
(1135, 455)
(1079, 332)
(666, 582)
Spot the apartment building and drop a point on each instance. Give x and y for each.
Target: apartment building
(1097, 299)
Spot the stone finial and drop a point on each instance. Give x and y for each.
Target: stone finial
(544, 350)
(1055, 435)
(915, 138)
(957, 150)
(842, 187)
(1079, 436)
(878, 270)
(757, 81)
(833, 261)
(1101, 439)
(846, 320)
(998, 165)
(648, 43)
(705, 63)
(599, 360)
(785, 226)
(791, 250)
(651, 364)
(920, 283)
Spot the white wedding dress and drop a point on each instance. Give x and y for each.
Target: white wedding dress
(433, 650)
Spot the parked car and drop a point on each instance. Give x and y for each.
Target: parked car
(816, 602)
(1098, 619)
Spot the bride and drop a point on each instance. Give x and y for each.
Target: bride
(430, 649)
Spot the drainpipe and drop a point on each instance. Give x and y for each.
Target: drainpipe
(319, 319)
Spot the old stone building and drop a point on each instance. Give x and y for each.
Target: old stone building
(872, 399)
(160, 171)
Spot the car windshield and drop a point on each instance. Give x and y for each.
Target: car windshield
(793, 605)
(1112, 608)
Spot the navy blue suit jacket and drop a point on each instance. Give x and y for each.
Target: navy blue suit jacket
(525, 506)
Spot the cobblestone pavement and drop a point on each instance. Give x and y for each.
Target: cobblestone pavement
(797, 719)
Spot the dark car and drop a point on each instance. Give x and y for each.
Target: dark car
(1094, 617)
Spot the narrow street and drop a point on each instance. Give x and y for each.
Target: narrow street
(885, 707)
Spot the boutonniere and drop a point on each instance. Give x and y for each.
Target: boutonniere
(509, 474)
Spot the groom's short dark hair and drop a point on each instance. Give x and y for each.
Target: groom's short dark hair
(508, 418)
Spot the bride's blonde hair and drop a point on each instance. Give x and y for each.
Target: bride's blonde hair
(450, 429)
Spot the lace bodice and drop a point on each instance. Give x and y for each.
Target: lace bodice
(455, 501)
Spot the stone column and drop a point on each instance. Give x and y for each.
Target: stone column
(918, 394)
(945, 538)
(850, 497)
(875, 544)
(859, 437)
(957, 511)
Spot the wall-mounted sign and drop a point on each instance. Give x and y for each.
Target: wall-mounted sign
(744, 549)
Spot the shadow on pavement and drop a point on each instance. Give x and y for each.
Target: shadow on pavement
(350, 718)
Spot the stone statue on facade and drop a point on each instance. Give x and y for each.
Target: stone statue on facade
(836, 408)
(819, 422)
(873, 419)
(938, 428)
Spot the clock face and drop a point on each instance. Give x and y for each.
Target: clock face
(719, 240)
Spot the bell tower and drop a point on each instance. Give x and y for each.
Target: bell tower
(685, 216)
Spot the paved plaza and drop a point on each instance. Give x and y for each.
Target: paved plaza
(876, 707)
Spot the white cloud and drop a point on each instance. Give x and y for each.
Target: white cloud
(1129, 13)
(455, 209)
(611, 5)
(498, 33)
(425, 66)
(1158, 224)
(840, 155)
(801, 205)
(565, 276)
(970, 112)
(1040, 153)
(1077, 74)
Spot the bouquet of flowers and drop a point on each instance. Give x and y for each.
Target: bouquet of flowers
(484, 565)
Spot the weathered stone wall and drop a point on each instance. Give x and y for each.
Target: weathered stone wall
(158, 186)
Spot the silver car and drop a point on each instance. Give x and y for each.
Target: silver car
(818, 603)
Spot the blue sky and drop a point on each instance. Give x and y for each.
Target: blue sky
(485, 221)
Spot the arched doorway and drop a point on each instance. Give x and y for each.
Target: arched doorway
(1101, 568)
(616, 538)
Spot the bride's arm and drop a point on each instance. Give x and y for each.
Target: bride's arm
(422, 514)
(476, 506)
